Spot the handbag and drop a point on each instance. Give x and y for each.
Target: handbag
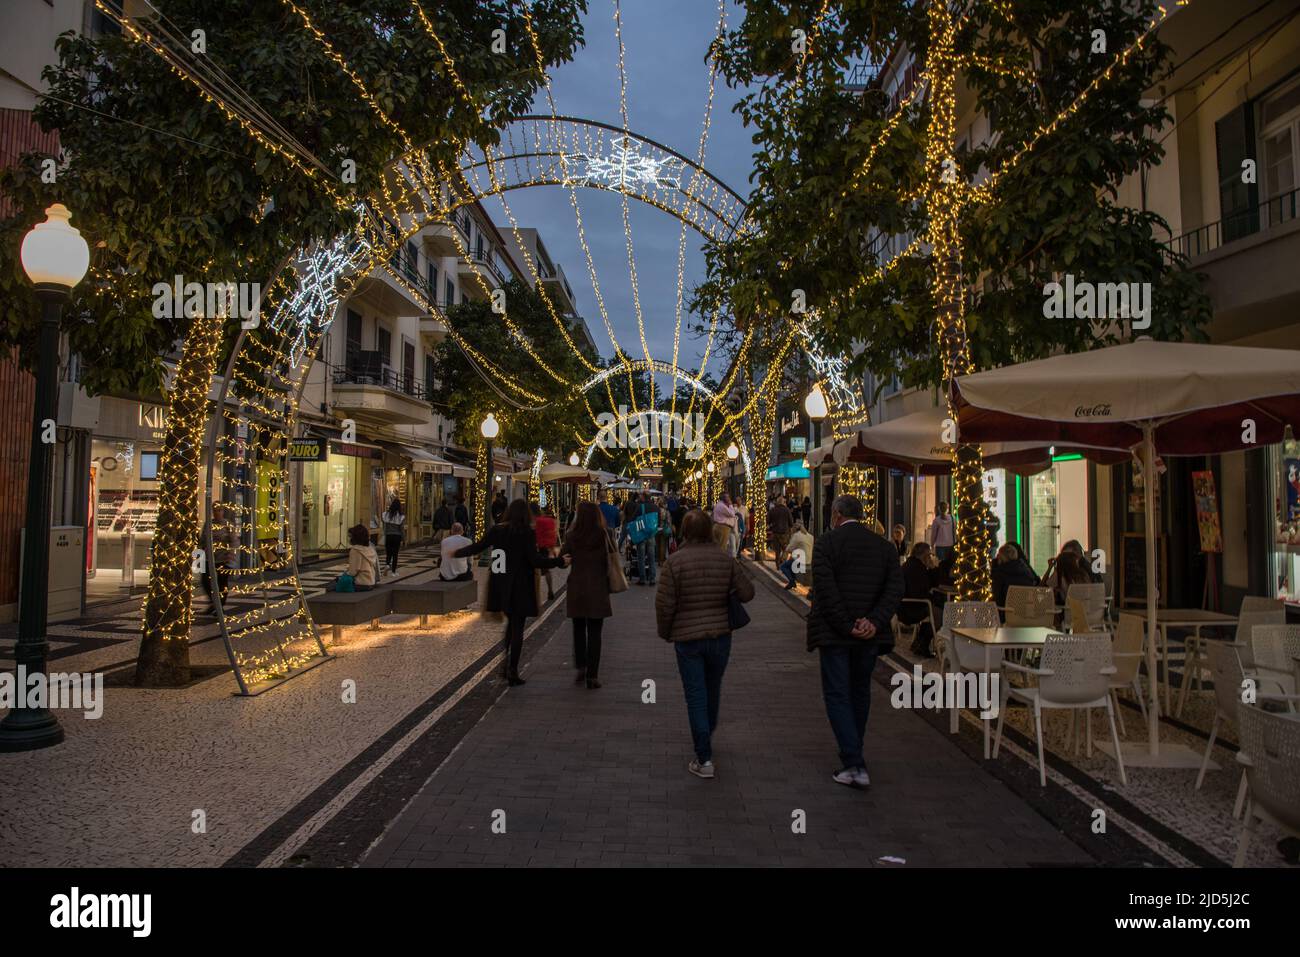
(737, 617)
(345, 582)
(617, 580)
(643, 527)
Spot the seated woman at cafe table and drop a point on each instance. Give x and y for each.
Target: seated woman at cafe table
(1010, 568)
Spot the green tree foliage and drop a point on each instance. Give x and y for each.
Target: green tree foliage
(467, 393)
(161, 181)
(1055, 211)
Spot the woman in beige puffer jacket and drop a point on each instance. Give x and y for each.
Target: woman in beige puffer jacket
(691, 612)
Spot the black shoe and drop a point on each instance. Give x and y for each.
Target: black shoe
(580, 677)
(790, 587)
(514, 681)
(592, 683)
(1289, 848)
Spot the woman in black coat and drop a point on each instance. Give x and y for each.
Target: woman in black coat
(916, 585)
(511, 588)
(587, 602)
(1010, 568)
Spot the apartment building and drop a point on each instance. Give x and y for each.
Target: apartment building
(375, 371)
(1227, 188)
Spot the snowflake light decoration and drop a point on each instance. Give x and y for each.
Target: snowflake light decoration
(625, 167)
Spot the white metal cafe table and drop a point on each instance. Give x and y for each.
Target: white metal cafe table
(1003, 638)
(1195, 619)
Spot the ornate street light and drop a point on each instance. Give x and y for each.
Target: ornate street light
(55, 258)
(490, 428)
(817, 409)
(573, 459)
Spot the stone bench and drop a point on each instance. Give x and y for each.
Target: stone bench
(339, 608)
(434, 597)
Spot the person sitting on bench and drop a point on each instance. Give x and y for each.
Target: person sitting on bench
(455, 569)
(363, 560)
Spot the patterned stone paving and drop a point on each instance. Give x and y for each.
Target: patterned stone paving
(297, 777)
(1197, 826)
(245, 762)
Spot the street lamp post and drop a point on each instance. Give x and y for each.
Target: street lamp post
(490, 428)
(733, 453)
(55, 258)
(816, 407)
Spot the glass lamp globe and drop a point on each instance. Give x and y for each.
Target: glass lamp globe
(815, 404)
(490, 427)
(573, 459)
(733, 452)
(709, 467)
(54, 252)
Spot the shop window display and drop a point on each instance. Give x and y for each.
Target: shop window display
(124, 512)
(1284, 560)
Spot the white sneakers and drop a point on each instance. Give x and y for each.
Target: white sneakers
(704, 770)
(852, 777)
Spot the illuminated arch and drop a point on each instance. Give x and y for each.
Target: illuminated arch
(257, 410)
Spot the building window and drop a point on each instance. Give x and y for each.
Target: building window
(451, 294)
(432, 272)
(1279, 121)
(428, 374)
(384, 344)
(353, 341)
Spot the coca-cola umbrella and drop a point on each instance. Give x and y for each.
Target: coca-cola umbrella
(923, 443)
(1159, 398)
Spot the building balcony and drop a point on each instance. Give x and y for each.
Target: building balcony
(1248, 260)
(440, 240)
(371, 390)
(471, 269)
(433, 329)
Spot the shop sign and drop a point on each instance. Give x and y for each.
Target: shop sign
(356, 451)
(798, 444)
(308, 450)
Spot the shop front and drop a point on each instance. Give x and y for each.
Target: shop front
(348, 486)
(122, 496)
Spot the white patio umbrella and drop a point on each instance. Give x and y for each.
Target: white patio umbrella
(915, 443)
(1166, 398)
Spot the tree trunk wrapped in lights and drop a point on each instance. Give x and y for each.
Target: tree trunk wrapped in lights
(763, 424)
(164, 646)
(971, 572)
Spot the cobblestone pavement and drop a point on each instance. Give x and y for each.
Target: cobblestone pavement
(265, 771)
(599, 777)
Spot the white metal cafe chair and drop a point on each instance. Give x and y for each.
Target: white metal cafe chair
(1270, 754)
(1075, 674)
(1030, 607)
(1254, 611)
(900, 626)
(957, 654)
(1274, 650)
(1093, 598)
(1230, 684)
(1126, 651)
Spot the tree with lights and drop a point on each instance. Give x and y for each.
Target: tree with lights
(174, 166)
(841, 172)
(467, 393)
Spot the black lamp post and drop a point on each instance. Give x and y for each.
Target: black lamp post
(816, 407)
(490, 428)
(55, 258)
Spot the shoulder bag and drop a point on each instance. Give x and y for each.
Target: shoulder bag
(617, 580)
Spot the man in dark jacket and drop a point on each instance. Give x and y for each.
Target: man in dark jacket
(857, 585)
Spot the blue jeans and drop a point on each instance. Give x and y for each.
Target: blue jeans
(701, 664)
(846, 690)
(645, 561)
(787, 569)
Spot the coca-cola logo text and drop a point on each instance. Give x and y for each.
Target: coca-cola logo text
(1092, 411)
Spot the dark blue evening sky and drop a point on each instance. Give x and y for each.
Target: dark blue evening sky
(667, 90)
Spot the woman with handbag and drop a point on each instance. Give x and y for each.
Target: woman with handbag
(363, 563)
(511, 588)
(589, 549)
(697, 606)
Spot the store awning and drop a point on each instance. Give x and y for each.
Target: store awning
(793, 469)
(423, 460)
